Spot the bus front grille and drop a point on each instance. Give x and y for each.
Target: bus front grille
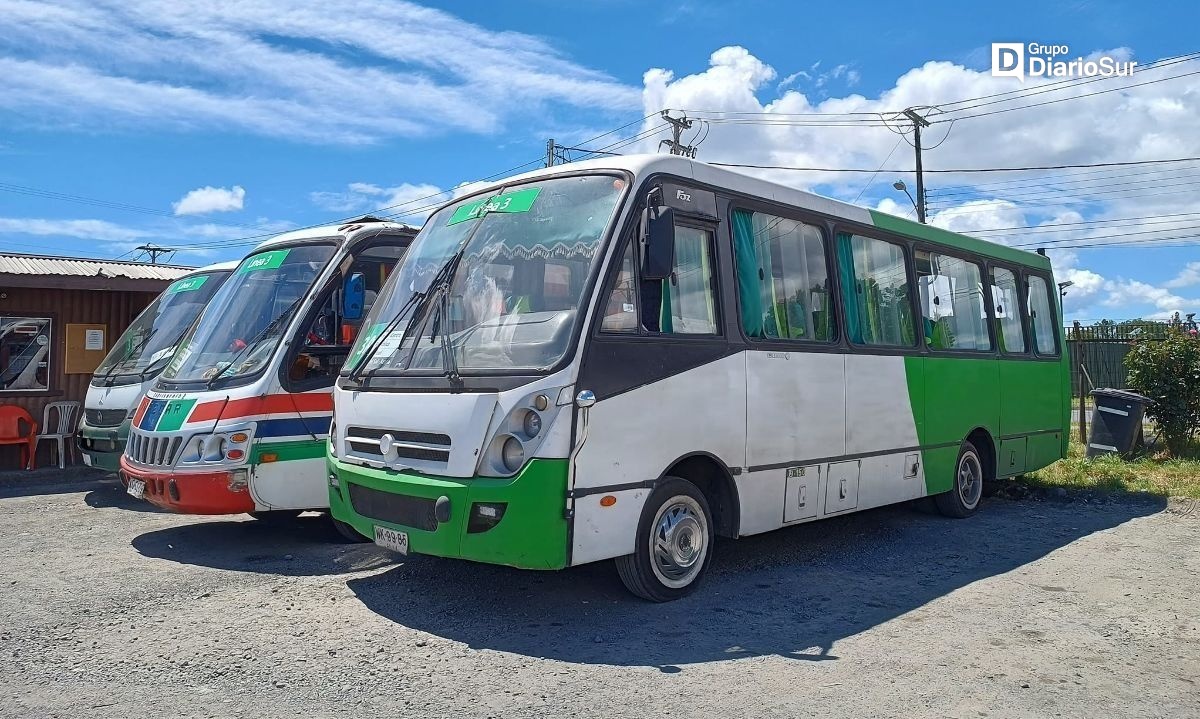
(406, 444)
(415, 512)
(153, 450)
(104, 417)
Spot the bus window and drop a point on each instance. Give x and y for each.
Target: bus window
(1041, 316)
(620, 314)
(783, 282)
(1008, 311)
(952, 310)
(684, 304)
(875, 291)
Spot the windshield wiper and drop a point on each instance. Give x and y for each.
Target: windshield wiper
(420, 302)
(132, 351)
(449, 361)
(253, 342)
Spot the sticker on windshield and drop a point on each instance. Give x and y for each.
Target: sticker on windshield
(187, 284)
(264, 261)
(519, 201)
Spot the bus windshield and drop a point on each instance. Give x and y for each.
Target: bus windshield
(149, 343)
(239, 331)
(510, 269)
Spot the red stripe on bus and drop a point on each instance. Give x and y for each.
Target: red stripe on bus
(271, 404)
(141, 410)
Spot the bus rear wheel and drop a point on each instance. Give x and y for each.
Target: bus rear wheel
(674, 543)
(963, 498)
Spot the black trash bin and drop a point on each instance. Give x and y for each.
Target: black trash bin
(1116, 421)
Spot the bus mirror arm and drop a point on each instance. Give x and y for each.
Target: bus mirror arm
(584, 401)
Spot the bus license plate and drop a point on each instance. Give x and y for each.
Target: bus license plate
(136, 488)
(391, 539)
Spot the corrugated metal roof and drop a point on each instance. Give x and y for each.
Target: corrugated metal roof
(48, 265)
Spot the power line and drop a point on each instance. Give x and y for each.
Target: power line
(1092, 222)
(961, 169)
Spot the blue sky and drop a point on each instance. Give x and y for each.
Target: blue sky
(293, 114)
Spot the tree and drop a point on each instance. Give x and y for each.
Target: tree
(1168, 372)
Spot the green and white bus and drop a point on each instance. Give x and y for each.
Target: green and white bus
(624, 358)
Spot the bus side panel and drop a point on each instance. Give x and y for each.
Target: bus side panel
(884, 414)
(635, 436)
(960, 395)
(1031, 417)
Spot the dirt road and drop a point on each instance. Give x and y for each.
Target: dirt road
(1029, 609)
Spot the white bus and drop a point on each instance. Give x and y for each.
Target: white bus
(238, 420)
(135, 361)
(624, 358)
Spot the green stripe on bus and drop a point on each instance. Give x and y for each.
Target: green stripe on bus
(289, 451)
(174, 415)
(953, 239)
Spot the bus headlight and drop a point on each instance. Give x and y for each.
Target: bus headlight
(513, 454)
(532, 424)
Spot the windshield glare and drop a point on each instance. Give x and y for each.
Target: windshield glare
(149, 343)
(237, 333)
(513, 300)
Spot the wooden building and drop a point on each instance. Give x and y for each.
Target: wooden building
(58, 318)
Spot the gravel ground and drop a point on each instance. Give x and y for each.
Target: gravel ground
(1033, 608)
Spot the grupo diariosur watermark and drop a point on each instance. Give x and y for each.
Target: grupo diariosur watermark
(1022, 60)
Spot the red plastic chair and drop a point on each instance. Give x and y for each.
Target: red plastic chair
(11, 419)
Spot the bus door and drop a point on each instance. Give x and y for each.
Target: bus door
(291, 443)
(667, 381)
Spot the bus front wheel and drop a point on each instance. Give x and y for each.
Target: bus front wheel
(674, 543)
(347, 531)
(963, 498)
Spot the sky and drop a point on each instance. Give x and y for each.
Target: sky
(208, 126)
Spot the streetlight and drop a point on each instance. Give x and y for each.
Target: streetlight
(899, 185)
(1062, 288)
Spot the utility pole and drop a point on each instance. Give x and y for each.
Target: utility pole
(154, 251)
(678, 125)
(918, 122)
(550, 152)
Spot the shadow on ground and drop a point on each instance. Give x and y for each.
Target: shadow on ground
(304, 546)
(111, 493)
(50, 480)
(791, 593)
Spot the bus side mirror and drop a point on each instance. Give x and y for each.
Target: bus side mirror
(354, 295)
(658, 262)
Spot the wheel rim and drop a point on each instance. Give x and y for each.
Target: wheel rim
(678, 542)
(970, 480)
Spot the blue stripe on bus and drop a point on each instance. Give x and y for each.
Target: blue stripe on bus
(152, 415)
(293, 426)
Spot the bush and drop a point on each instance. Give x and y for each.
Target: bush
(1168, 372)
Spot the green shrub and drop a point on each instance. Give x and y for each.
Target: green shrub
(1168, 372)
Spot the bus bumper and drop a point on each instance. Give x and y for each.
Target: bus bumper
(102, 447)
(530, 531)
(192, 493)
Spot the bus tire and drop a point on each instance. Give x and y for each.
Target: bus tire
(963, 498)
(347, 531)
(677, 521)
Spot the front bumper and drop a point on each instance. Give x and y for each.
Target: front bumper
(102, 446)
(531, 534)
(192, 492)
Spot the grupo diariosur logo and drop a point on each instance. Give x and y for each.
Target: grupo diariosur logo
(1022, 60)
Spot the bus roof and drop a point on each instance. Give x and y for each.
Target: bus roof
(350, 230)
(642, 165)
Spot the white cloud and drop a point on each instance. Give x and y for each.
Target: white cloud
(95, 230)
(1188, 276)
(320, 72)
(204, 200)
(415, 201)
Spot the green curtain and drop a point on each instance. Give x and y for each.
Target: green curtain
(747, 272)
(850, 289)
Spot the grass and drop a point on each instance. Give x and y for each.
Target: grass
(1110, 473)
